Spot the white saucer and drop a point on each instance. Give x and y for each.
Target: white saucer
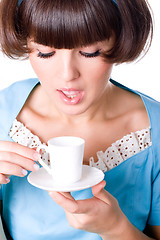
(42, 179)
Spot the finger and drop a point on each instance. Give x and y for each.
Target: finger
(4, 179)
(67, 195)
(67, 202)
(7, 168)
(100, 193)
(98, 187)
(19, 149)
(19, 160)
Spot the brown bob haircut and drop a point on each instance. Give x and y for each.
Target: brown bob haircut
(75, 23)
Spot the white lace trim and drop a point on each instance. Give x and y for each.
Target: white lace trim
(118, 152)
(20, 134)
(122, 149)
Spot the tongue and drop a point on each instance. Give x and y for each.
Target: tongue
(71, 93)
(71, 99)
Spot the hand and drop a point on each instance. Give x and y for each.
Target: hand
(16, 159)
(100, 214)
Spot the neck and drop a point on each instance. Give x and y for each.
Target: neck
(99, 111)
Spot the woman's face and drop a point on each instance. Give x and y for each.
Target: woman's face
(75, 80)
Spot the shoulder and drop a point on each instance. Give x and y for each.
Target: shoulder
(152, 106)
(15, 94)
(24, 86)
(153, 109)
(129, 109)
(12, 100)
(141, 108)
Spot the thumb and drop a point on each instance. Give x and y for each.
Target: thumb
(100, 193)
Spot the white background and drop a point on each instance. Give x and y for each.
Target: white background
(143, 75)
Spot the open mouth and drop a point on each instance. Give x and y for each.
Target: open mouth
(70, 96)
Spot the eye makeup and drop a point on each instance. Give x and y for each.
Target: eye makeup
(84, 54)
(45, 55)
(90, 55)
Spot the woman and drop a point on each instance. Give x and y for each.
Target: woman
(72, 46)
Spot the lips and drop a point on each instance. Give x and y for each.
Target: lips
(70, 96)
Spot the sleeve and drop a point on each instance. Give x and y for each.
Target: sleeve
(154, 217)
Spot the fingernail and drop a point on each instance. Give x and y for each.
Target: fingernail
(36, 156)
(36, 167)
(7, 180)
(24, 172)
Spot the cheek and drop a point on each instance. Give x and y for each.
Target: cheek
(43, 73)
(106, 69)
(101, 77)
(102, 73)
(34, 63)
(39, 67)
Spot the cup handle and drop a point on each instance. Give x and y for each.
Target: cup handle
(46, 167)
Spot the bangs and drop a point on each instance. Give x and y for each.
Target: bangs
(76, 23)
(67, 23)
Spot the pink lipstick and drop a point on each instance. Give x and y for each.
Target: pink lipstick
(70, 96)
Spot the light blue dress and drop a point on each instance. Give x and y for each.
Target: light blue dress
(31, 214)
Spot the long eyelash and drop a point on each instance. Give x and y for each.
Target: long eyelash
(45, 55)
(90, 55)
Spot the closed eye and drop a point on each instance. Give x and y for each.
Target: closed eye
(85, 54)
(90, 55)
(45, 55)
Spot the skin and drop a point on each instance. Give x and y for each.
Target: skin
(105, 111)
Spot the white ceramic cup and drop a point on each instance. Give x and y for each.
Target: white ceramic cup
(66, 159)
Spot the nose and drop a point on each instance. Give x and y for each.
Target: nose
(68, 67)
